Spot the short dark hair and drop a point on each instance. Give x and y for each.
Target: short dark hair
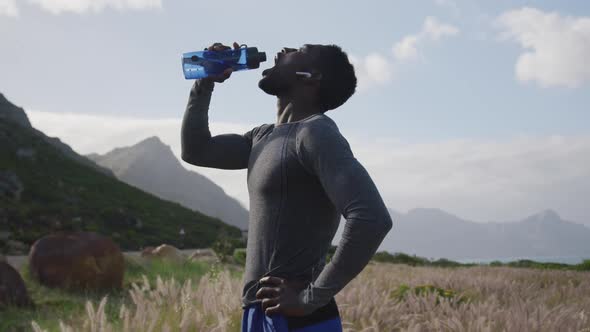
(338, 81)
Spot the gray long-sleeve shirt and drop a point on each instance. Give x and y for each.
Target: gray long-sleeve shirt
(302, 176)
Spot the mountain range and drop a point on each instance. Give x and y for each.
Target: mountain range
(151, 166)
(435, 233)
(46, 187)
(10, 113)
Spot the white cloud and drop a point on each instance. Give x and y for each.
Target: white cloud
(372, 69)
(484, 180)
(556, 47)
(83, 6)
(432, 30)
(435, 30)
(406, 48)
(476, 179)
(377, 69)
(8, 8)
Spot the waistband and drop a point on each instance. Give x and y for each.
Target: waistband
(327, 312)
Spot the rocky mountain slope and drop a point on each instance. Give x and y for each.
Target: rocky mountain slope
(151, 166)
(46, 187)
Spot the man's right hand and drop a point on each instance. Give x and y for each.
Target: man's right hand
(226, 73)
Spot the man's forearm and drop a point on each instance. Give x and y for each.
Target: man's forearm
(360, 240)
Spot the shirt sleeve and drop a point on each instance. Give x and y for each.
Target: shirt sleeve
(226, 151)
(324, 152)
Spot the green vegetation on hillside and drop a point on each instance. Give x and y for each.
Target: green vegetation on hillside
(584, 266)
(59, 193)
(413, 260)
(401, 258)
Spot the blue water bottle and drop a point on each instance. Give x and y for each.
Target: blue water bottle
(205, 63)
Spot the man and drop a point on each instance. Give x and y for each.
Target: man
(302, 176)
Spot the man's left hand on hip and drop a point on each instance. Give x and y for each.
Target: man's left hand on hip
(280, 296)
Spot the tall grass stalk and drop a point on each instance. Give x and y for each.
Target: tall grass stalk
(169, 306)
(458, 299)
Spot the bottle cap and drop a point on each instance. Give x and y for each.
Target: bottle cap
(254, 57)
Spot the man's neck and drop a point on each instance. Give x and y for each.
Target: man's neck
(289, 110)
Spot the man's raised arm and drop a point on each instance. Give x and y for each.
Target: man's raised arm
(227, 151)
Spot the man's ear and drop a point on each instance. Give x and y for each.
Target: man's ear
(316, 75)
(310, 77)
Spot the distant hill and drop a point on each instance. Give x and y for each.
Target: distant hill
(11, 113)
(151, 166)
(436, 233)
(45, 187)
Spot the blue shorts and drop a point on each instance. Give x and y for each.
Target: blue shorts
(325, 319)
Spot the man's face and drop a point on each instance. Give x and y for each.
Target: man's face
(281, 78)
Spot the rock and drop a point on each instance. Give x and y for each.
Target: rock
(10, 185)
(12, 288)
(165, 252)
(203, 255)
(77, 261)
(147, 251)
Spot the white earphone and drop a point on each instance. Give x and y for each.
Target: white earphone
(303, 73)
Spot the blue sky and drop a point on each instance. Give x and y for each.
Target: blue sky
(447, 90)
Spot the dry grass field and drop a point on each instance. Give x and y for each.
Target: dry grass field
(385, 297)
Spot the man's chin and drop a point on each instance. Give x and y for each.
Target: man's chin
(266, 85)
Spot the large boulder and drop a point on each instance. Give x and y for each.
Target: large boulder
(203, 255)
(147, 251)
(12, 288)
(77, 261)
(165, 252)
